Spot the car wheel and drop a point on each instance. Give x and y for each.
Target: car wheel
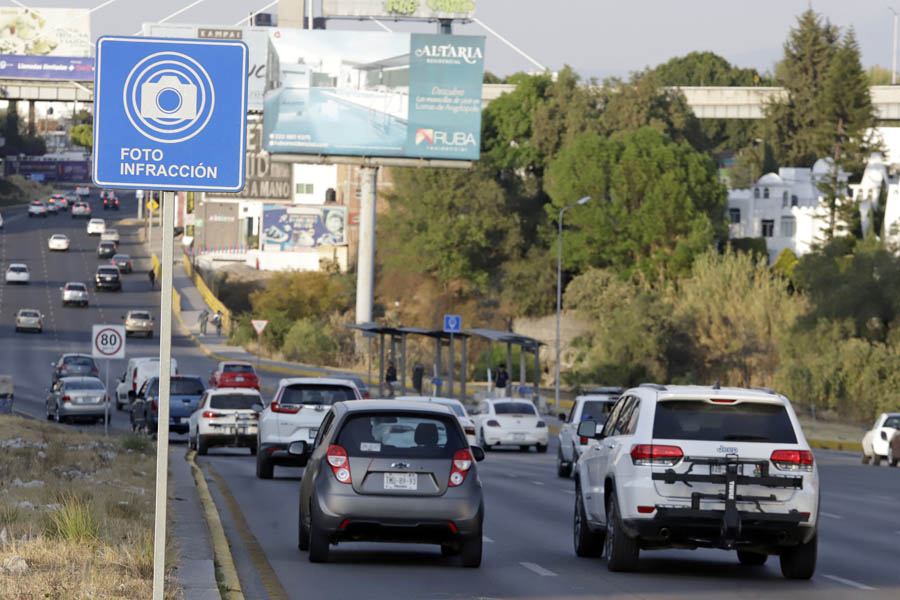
(202, 447)
(799, 562)
(752, 559)
(318, 543)
(541, 448)
(892, 458)
(149, 334)
(264, 469)
(470, 551)
(622, 552)
(876, 460)
(302, 535)
(587, 543)
(563, 468)
(524, 448)
(449, 550)
(252, 449)
(485, 446)
(866, 458)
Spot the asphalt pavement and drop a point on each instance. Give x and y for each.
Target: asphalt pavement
(528, 549)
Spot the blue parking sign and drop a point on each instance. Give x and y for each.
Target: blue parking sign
(452, 323)
(170, 114)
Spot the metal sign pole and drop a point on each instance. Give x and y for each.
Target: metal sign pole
(258, 349)
(165, 382)
(106, 403)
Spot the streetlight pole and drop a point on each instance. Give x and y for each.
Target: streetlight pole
(894, 55)
(559, 290)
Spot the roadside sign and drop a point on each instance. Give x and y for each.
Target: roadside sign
(452, 323)
(170, 114)
(108, 341)
(259, 325)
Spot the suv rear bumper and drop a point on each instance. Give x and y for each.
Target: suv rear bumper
(277, 454)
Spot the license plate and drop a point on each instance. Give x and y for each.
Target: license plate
(401, 481)
(519, 437)
(238, 378)
(313, 433)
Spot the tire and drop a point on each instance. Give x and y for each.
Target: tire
(484, 445)
(252, 450)
(541, 448)
(563, 468)
(799, 562)
(470, 551)
(119, 405)
(202, 447)
(587, 543)
(876, 460)
(524, 448)
(264, 469)
(318, 543)
(302, 535)
(892, 460)
(449, 550)
(866, 458)
(752, 559)
(149, 334)
(622, 552)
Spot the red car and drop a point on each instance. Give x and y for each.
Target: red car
(234, 374)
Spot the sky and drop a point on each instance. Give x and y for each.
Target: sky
(598, 38)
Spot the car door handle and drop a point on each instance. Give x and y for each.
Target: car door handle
(610, 444)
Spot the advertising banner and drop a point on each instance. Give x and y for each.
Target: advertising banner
(263, 179)
(412, 9)
(49, 170)
(291, 228)
(45, 31)
(256, 38)
(46, 67)
(360, 93)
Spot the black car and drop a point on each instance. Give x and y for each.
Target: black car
(110, 202)
(106, 249)
(123, 261)
(108, 278)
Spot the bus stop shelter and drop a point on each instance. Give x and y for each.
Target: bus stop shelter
(526, 344)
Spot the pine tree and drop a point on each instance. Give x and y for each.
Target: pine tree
(846, 118)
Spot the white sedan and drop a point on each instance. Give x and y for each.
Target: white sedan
(29, 318)
(17, 273)
(458, 409)
(37, 209)
(110, 235)
(58, 241)
(96, 227)
(225, 417)
(876, 441)
(510, 422)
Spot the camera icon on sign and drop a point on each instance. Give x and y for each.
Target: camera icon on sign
(169, 99)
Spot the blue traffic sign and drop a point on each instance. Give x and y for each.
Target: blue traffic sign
(170, 114)
(452, 323)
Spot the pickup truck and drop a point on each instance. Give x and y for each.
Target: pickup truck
(185, 395)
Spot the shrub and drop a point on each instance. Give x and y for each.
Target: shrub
(310, 341)
(74, 521)
(137, 443)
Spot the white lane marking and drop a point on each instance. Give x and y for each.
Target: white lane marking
(538, 569)
(569, 491)
(538, 482)
(850, 582)
(830, 515)
(486, 539)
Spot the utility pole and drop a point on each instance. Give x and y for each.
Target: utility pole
(894, 54)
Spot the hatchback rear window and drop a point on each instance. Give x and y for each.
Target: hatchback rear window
(237, 369)
(514, 408)
(742, 422)
(325, 395)
(179, 387)
(84, 385)
(401, 434)
(79, 361)
(108, 270)
(76, 287)
(139, 315)
(31, 313)
(233, 401)
(18, 269)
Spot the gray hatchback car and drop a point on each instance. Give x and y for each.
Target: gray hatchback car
(391, 471)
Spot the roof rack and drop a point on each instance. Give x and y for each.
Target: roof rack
(766, 390)
(655, 386)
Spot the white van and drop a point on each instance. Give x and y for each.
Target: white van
(137, 371)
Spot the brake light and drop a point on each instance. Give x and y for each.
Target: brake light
(492, 423)
(645, 510)
(462, 462)
(134, 381)
(339, 463)
(208, 414)
(155, 405)
(792, 460)
(469, 430)
(723, 400)
(66, 399)
(291, 409)
(367, 396)
(653, 455)
(582, 440)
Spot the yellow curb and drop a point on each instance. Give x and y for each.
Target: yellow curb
(128, 223)
(835, 445)
(221, 550)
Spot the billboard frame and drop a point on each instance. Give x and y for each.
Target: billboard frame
(371, 161)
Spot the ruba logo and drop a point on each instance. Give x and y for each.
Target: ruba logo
(445, 138)
(424, 135)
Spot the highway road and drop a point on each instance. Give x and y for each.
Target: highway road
(528, 551)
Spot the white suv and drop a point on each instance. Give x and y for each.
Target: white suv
(698, 466)
(594, 405)
(294, 415)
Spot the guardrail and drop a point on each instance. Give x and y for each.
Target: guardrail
(214, 303)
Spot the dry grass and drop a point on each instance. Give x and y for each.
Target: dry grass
(87, 532)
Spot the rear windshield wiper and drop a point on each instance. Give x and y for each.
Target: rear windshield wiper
(743, 437)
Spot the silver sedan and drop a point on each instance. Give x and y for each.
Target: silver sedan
(81, 398)
(30, 319)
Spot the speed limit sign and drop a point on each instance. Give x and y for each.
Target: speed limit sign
(108, 341)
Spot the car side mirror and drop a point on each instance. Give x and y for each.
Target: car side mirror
(297, 448)
(477, 453)
(587, 429)
(562, 417)
(257, 408)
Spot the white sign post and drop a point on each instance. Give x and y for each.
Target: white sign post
(108, 341)
(259, 325)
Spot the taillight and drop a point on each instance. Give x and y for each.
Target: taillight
(462, 462)
(653, 455)
(469, 430)
(155, 405)
(792, 460)
(723, 400)
(340, 464)
(208, 414)
(492, 423)
(66, 399)
(583, 440)
(291, 409)
(134, 381)
(64, 368)
(367, 396)
(540, 425)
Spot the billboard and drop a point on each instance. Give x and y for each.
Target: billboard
(407, 9)
(256, 38)
(45, 31)
(263, 179)
(357, 93)
(49, 170)
(46, 67)
(292, 228)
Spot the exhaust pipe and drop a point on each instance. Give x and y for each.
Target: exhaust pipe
(664, 533)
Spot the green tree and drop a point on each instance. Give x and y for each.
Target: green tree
(82, 135)
(656, 203)
(878, 75)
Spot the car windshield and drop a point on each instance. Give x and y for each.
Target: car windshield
(18, 269)
(107, 245)
(180, 387)
(401, 434)
(140, 315)
(85, 384)
(514, 408)
(312, 393)
(741, 422)
(237, 369)
(892, 422)
(234, 401)
(78, 361)
(595, 410)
